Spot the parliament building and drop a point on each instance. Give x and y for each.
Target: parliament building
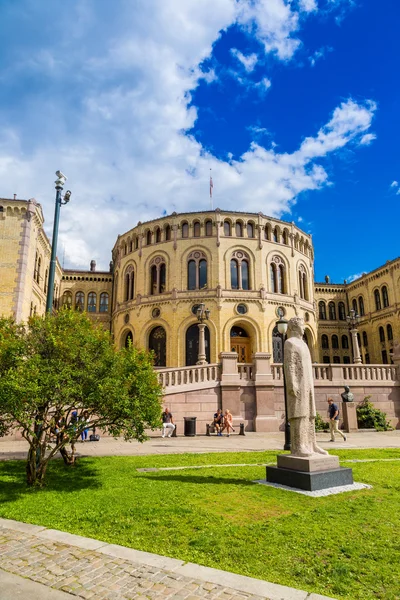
(246, 268)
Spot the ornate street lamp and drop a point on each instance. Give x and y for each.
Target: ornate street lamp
(61, 179)
(202, 315)
(353, 320)
(282, 326)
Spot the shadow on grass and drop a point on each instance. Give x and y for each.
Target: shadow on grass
(59, 478)
(200, 479)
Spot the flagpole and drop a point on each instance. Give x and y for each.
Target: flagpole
(211, 189)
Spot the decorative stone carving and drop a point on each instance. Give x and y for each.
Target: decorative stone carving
(300, 392)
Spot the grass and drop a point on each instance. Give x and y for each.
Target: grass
(345, 546)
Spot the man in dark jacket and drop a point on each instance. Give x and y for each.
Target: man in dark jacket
(334, 420)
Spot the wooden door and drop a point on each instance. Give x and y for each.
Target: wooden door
(242, 347)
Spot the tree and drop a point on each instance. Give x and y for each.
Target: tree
(53, 370)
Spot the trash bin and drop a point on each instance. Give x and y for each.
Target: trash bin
(190, 426)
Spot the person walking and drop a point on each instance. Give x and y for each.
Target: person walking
(168, 423)
(334, 420)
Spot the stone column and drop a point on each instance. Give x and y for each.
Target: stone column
(356, 349)
(349, 416)
(202, 345)
(265, 418)
(230, 384)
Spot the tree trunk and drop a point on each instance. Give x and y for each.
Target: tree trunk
(68, 457)
(36, 466)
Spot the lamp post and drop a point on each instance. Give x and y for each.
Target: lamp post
(202, 314)
(353, 320)
(282, 326)
(61, 179)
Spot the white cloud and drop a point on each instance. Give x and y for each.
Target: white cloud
(123, 141)
(308, 5)
(318, 54)
(398, 192)
(263, 85)
(249, 62)
(367, 139)
(394, 184)
(351, 278)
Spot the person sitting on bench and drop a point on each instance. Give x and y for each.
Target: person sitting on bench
(218, 421)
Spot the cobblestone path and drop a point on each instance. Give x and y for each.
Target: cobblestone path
(91, 574)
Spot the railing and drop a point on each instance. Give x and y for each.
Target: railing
(245, 371)
(277, 371)
(369, 372)
(180, 376)
(351, 373)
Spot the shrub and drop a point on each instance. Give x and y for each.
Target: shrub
(369, 417)
(320, 424)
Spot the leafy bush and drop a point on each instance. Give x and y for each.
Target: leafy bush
(369, 417)
(320, 424)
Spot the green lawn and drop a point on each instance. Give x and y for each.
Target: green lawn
(345, 546)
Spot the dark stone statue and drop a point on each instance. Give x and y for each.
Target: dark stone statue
(347, 395)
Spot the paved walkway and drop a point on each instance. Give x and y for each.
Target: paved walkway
(61, 565)
(200, 444)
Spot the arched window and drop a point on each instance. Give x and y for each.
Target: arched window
(125, 249)
(136, 242)
(285, 237)
(158, 276)
(158, 344)
(361, 310)
(197, 270)
(185, 230)
(278, 275)
(240, 271)
(67, 299)
(46, 276)
(167, 233)
(196, 229)
(128, 340)
(227, 228)
(79, 301)
(296, 241)
(322, 310)
(39, 266)
(130, 246)
(148, 238)
(345, 342)
(332, 311)
(129, 291)
(303, 283)
(92, 302)
(192, 344)
(389, 332)
(354, 305)
(365, 339)
(377, 296)
(385, 296)
(234, 274)
(35, 277)
(381, 334)
(103, 302)
(158, 235)
(250, 230)
(238, 229)
(208, 228)
(275, 235)
(359, 339)
(342, 311)
(267, 232)
(325, 342)
(335, 342)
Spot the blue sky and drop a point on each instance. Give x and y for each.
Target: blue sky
(293, 105)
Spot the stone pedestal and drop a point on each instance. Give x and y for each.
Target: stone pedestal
(349, 416)
(312, 473)
(265, 418)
